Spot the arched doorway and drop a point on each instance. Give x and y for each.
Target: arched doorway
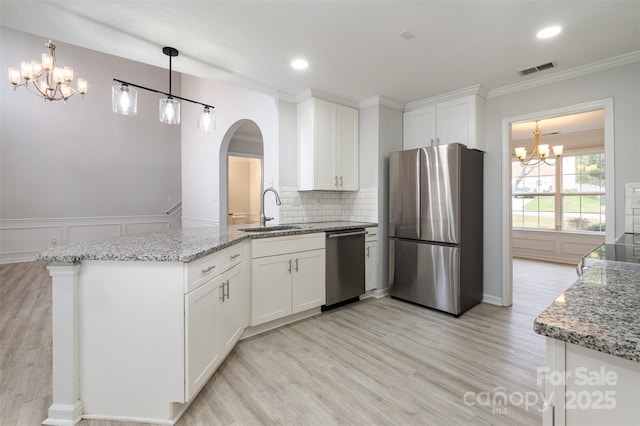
(241, 156)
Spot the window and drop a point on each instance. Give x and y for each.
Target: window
(566, 196)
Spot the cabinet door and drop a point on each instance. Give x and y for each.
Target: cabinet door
(455, 120)
(201, 335)
(419, 128)
(270, 288)
(325, 168)
(347, 148)
(308, 287)
(232, 308)
(371, 266)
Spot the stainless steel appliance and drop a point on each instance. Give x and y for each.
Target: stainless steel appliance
(435, 227)
(344, 266)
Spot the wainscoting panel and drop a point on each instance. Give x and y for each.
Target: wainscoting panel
(87, 232)
(22, 239)
(553, 246)
(22, 242)
(139, 228)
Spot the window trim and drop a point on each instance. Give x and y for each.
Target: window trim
(559, 194)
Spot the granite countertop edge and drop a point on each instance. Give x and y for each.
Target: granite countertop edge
(598, 312)
(178, 245)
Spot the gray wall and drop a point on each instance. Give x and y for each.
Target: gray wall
(288, 119)
(390, 139)
(81, 159)
(622, 84)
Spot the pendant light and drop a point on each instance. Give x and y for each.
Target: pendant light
(124, 100)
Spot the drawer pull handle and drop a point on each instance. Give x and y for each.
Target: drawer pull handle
(209, 269)
(296, 265)
(289, 266)
(235, 256)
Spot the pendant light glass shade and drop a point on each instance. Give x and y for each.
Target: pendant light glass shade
(124, 100)
(206, 120)
(169, 111)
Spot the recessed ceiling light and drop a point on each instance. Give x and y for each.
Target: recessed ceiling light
(549, 32)
(299, 64)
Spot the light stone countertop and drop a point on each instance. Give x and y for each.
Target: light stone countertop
(600, 311)
(177, 245)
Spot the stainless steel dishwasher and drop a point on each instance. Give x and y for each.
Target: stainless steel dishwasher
(344, 267)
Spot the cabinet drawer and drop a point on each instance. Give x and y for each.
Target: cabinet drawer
(371, 235)
(201, 270)
(262, 247)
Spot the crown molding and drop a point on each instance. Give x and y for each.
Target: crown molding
(381, 100)
(615, 62)
(285, 97)
(476, 89)
(315, 93)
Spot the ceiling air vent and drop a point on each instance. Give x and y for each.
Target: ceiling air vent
(537, 68)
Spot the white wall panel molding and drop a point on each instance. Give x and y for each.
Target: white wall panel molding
(22, 239)
(552, 246)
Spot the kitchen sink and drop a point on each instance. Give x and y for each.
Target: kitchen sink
(272, 228)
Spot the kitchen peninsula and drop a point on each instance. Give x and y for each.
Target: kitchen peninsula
(592, 375)
(141, 322)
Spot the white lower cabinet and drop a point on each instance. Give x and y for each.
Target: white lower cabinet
(370, 263)
(202, 340)
(287, 276)
(214, 320)
(270, 288)
(308, 288)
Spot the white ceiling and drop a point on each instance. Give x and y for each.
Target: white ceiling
(354, 48)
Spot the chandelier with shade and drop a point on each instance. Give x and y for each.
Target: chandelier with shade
(540, 153)
(124, 100)
(46, 78)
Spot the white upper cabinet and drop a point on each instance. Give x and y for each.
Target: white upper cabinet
(419, 128)
(459, 120)
(327, 146)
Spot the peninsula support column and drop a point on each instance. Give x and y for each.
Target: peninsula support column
(66, 408)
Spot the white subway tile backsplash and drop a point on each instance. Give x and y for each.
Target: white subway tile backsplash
(323, 206)
(631, 208)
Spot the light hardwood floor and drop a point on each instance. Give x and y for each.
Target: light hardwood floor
(374, 362)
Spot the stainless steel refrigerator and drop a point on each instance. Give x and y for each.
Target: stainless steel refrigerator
(435, 227)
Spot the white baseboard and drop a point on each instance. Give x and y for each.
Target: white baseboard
(22, 239)
(196, 222)
(492, 300)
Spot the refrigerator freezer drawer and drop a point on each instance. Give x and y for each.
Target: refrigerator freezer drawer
(426, 274)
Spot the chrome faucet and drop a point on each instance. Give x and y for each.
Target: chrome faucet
(264, 219)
